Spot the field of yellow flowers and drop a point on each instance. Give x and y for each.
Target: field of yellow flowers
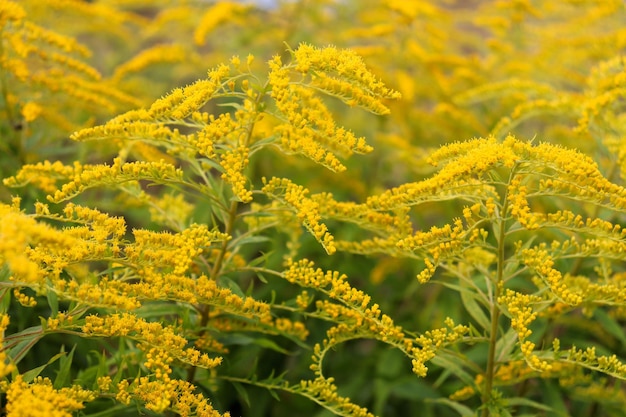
(312, 208)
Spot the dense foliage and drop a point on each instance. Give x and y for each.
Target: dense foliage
(177, 241)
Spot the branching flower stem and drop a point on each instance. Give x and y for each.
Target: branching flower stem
(495, 308)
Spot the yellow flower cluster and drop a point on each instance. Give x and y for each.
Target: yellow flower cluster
(118, 173)
(251, 321)
(571, 174)
(220, 12)
(605, 90)
(170, 209)
(309, 128)
(306, 209)
(354, 82)
(518, 203)
(438, 242)
(455, 180)
(168, 251)
(55, 63)
(565, 219)
(444, 239)
(511, 86)
(215, 131)
(103, 226)
(519, 307)
(511, 373)
(20, 237)
(324, 392)
(562, 105)
(40, 399)
(231, 312)
(362, 215)
(177, 395)
(43, 175)
(388, 227)
(11, 12)
(105, 293)
(23, 299)
(234, 162)
(588, 358)
(150, 334)
(539, 260)
(577, 175)
(31, 111)
(155, 54)
(355, 318)
(375, 245)
(5, 366)
(332, 283)
(608, 291)
(183, 102)
(120, 128)
(314, 136)
(98, 236)
(434, 340)
(61, 319)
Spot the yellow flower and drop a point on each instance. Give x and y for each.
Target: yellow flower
(150, 56)
(234, 162)
(6, 367)
(31, 111)
(11, 11)
(40, 399)
(222, 11)
(306, 210)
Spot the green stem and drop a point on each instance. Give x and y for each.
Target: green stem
(215, 272)
(229, 230)
(495, 308)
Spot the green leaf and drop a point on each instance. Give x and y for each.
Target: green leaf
(552, 395)
(260, 260)
(236, 339)
(253, 239)
(5, 273)
(468, 298)
(235, 105)
(243, 394)
(29, 376)
(159, 309)
(261, 277)
(390, 364)
(610, 325)
(381, 393)
(526, 402)
(65, 368)
(110, 411)
(226, 282)
(250, 290)
(53, 302)
(266, 343)
(22, 342)
(463, 410)
(451, 364)
(103, 369)
(411, 388)
(506, 344)
(274, 394)
(5, 299)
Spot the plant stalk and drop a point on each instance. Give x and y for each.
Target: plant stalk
(495, 308)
